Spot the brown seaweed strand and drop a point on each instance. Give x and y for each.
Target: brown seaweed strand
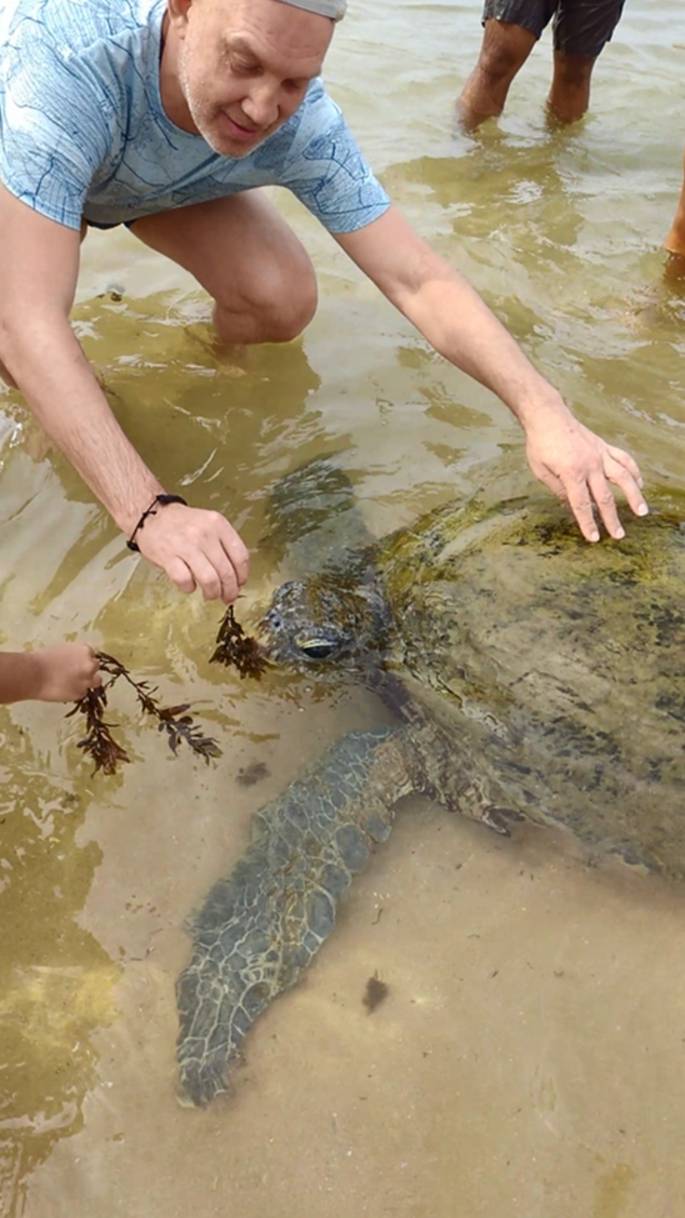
(179, 726)
(174, 720)
(99, 742)
(235, 649)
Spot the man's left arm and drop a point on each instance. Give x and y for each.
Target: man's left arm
(571, 460)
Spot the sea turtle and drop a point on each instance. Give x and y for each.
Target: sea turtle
(532, 676)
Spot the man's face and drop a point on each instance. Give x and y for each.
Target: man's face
(244, 67)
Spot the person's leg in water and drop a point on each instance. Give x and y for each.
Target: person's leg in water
(245, 255)
(675, 238)
(582, 29)
(247, 258)
(569, 95)
(511, 29)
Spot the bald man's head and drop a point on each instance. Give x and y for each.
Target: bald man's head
(243, 66)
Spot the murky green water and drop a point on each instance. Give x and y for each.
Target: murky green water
(527, 1061)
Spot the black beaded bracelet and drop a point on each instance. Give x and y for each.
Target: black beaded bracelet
(162, 501)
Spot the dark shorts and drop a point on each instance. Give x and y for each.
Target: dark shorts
(581, 27)
(94, 223)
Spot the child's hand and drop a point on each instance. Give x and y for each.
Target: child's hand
(66, 672)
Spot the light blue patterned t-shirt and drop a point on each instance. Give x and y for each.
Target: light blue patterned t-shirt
(83, 131)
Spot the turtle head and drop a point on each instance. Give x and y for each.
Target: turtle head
(322, 622)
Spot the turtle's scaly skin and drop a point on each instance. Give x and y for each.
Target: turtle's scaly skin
(259, 928)
(536, 675)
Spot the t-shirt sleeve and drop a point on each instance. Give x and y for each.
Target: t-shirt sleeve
(328, 173)
(53, 130)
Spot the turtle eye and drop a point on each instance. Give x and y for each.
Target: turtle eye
(318, 651)
(317, 648)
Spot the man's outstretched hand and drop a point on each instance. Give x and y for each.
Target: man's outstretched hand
(579, 467)
(197, 549)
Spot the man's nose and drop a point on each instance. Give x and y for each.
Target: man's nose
(261, 106)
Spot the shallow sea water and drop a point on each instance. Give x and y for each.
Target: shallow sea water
(527, 1062)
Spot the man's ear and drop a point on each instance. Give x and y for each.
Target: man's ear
(178, 14)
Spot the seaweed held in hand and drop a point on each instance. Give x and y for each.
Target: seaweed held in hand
(236, 649)
(99, 742)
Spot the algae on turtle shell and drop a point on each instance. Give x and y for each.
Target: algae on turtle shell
(532, 676)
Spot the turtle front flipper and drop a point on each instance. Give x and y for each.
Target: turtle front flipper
(260, 927)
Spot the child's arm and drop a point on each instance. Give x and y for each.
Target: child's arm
(51, 674)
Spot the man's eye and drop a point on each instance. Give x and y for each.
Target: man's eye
(242, 68)
(295, 86)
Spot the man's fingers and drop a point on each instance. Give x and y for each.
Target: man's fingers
(606, 504)
(554, 484)
(229, 586)
(214, 576)
(582, 494)
(576, 491)
(578, 466)
(626, 461)
(180, 574)
(197, 549)
(205, 576)
(236, 550)
(574, 494)
(623, 474)
(94, 676)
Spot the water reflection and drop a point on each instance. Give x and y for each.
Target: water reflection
(56, 980)
(175, 393)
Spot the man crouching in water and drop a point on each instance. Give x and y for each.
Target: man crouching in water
(168, 115)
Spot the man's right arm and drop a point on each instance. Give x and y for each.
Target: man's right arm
(39, 260)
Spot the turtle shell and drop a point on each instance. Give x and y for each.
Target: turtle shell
(545, 675)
